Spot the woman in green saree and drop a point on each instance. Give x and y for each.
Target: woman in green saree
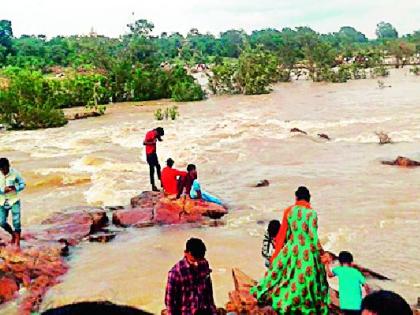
(296, 282)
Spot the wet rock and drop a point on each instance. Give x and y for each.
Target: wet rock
(151, 208)
(298, 130)
(138, 217)
(241, 300)
(83, 115)
(8, 288)
(383, 137)
(72, 225)
(324, 136)
(402, 161)
(263, 183)
(102, 237)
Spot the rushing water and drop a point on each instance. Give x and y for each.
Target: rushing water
(365, 207)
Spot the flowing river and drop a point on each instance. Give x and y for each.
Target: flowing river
(367, 208)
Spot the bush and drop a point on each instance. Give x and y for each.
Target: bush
(169, 112)
(380, 71)
(149, 84)
(185, 91)
(223, 80)
(257, 69)
(415, 70)
(30, 102)
(159, 114)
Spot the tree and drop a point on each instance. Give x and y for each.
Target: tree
(400, 50)
(231, 43)
(386, 31)
(348, 34)
(141, 27)
(6, 35)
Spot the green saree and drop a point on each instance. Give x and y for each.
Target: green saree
(296, 281)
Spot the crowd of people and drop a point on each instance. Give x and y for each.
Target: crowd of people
(295, 281)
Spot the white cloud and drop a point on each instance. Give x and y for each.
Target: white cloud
(54, 17)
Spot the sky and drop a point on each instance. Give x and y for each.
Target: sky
(110, 17)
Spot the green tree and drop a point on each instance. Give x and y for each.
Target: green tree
(6, 35)
(385, 30)
(231, 43)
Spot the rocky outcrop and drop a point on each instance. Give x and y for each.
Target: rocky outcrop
(324, 136)
(150, 208)
(402, 161)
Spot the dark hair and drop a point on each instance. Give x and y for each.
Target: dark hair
(170, 162)
(386, 303)
(196, 247)
(4, 163)
(273, 228)
(160, 131)
(99, 307)
(345, 257)
(190, 167)
(302, 193)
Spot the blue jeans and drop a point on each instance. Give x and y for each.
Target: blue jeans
(4, 213)
(210, 198)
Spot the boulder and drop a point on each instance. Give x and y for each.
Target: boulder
(324, 136)
(151, 208)
(103, 237)
(72, 225)
(402, 161)
(298, 130)
(138, 217)
(263, 183)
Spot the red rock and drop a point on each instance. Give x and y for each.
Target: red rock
(402, 161)
(8, 289)
(139, 217)
(151, 208)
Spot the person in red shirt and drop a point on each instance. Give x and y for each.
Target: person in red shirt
(170, 178)
(150, 140)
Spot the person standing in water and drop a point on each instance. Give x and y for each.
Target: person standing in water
(150, 141)
(11, 184)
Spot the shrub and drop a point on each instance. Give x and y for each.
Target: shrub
(380, 71)
(149, 84)
(30, 102)
(415, 70)
(173, 112)
(185, 91)
(159, 114)
(223, 80)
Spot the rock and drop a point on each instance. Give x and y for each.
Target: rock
(298, 130)
(263, 183)
(324, 136)
(102, 237)
(402, 161)
(8, 289)
(73, 225)
(151, 208)
(83, 115)
(138, 217)
(383, 137)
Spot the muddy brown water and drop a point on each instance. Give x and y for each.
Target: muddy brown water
(367, 208)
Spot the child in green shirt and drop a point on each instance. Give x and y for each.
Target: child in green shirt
(350, 282)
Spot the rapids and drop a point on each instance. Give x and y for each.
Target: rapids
(367, 208)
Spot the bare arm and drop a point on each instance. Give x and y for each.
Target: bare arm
(330, 274)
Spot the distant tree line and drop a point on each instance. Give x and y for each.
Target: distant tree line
(97, 70)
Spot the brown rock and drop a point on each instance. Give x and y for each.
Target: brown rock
(83, 115)
(383, 137)
(298, 130)
(324, 136)
(102, 237)
(139, 217)
(402, 161)
(263, 183)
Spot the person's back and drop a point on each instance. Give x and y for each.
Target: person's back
(169, 178)
(350, 282)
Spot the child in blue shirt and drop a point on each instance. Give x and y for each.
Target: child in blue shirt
(350, 282)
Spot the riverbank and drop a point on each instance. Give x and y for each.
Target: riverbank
(363, 206)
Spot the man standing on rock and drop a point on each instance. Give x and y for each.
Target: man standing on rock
(189, 290)
(150, 140)
(11, 183)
